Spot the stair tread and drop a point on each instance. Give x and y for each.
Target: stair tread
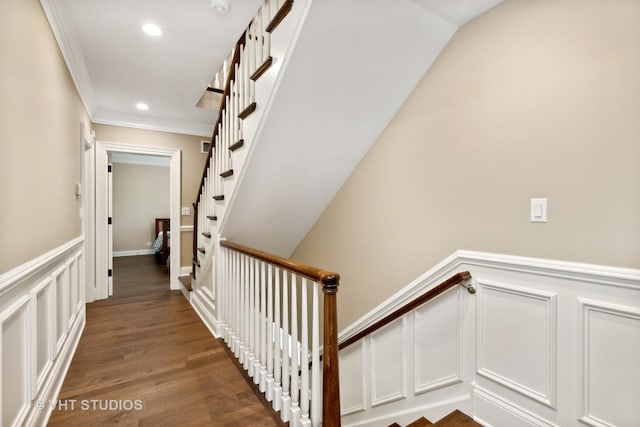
(420, 422)
(186, 281)
(212, 217)
(236, 145)
(455, 419)
(218, 197)
(207, 235)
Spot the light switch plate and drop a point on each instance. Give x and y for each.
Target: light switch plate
(538, 210)
(186, 211)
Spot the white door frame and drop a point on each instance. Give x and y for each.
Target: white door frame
(89, 209)
(101, 208)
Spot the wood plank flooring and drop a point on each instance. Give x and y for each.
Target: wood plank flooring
(145, 346)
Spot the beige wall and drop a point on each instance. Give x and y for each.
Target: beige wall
(40, 149)
(192, 163)
(140, 195)
(534, 99)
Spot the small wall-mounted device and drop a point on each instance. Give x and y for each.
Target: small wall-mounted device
(538, 210)
(78, 189)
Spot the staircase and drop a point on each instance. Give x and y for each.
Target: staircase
(454, 419)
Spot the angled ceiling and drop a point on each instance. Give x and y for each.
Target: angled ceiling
(353, 79)
(116, 65)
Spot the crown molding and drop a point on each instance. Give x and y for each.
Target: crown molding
(67, 40)
(114, 118)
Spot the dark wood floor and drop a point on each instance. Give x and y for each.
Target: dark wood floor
(146, 344)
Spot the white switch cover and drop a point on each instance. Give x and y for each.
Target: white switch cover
(538, 210)
(186, 211)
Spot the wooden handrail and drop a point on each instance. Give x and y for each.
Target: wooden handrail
(313, 273)
(452, 281)
(330, 282)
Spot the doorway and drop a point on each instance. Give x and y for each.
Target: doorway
(104, 238)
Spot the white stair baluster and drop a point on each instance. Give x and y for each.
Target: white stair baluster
(263, 329)
(256, 363)
(304, 354)
(286, 345)
(269, 383)
(277, 373)
(295, 352)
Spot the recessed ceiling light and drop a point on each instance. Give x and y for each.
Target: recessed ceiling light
(142, 106)
(152, 29)
(219, 7)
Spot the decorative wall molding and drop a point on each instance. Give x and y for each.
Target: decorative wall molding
(11, 278)
(447, 379)
(519, 413)
(204, 308)
(392, 357)
(41, 321)
(186, 228)
(579, 272)
(589, 307)
(72, 54)
(548, 395)
(355, 354)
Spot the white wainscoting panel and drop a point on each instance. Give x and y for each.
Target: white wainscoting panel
(516, 332)
(542, 343)
(15, 371)
(610, 364)
(352, 379)
(438, 342)
(41, 320)
(62, 305)
(42, 297)
(388, 364)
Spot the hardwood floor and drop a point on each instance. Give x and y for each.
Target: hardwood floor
(146, 347)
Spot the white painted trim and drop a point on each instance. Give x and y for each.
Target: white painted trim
(174, 194)
(184, 228)
(200, 304)
(597, 274)
(53, 382)
(402, 393)
(134, 253)
(134, 121)
(546, 397)
(511, 408)
(75, 64)
(587, 306)
(9, 279)
(361, 348)
(455, 377)
(185, 270)
(7, 313)
(462, 402)
(139, 159)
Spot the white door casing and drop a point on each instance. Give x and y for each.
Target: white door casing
(102, 208)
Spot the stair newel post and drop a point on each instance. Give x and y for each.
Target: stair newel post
(330, 374)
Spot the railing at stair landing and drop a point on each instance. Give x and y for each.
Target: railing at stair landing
(268, 307)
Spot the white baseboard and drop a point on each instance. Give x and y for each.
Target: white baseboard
(185, 270)
(499, 411)
(39, 415)
(432, 411)
(204, 308)
(136, 252)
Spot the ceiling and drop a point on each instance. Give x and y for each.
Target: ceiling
(116, 65)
